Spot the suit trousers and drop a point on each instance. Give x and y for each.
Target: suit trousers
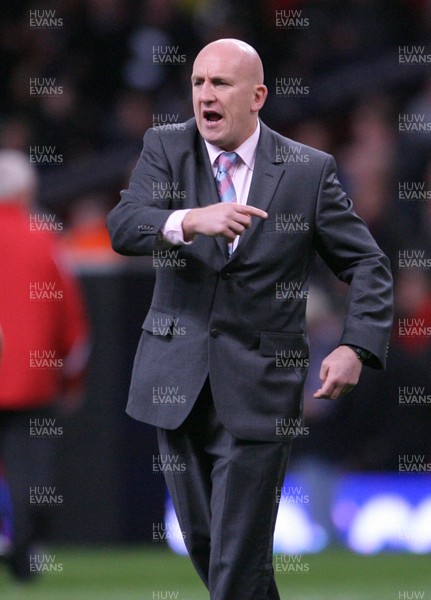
(226, 502)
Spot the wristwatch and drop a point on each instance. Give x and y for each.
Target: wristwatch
(362, 354)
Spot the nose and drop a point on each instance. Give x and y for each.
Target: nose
(206, 92)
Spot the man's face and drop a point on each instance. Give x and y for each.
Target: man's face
(226, 96)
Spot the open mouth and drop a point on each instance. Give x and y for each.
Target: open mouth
(211, 116)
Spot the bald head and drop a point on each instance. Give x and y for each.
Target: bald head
(18, 178)
(228, 92)
(239, 51)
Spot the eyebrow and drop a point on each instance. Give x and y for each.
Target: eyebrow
(214, 79)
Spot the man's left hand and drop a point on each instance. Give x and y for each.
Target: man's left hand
(339, 373)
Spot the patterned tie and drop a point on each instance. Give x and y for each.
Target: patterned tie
(225, 188)
(224, 183)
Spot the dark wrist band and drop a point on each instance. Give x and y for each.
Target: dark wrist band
(362, 354)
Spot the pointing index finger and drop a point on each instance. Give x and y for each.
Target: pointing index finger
(255, 212)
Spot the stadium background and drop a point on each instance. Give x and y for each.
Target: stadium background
(340, 79)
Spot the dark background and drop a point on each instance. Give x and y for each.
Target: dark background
(347, 53)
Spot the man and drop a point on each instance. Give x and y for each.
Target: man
(217, 334)
(45, 351)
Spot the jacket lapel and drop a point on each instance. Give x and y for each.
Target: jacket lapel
(266, 176)
(205, 184)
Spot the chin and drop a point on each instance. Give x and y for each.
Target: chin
(211, 139)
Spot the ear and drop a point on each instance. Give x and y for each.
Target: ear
(260, 94)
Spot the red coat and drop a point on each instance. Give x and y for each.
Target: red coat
(41, 314)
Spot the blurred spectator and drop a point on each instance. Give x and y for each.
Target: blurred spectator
(86, 238)
(315, 133)
(133, 115)
(367, 169)
(45, 351)
(425, 206)
(413, 306)
(16, 134)
(414, 161)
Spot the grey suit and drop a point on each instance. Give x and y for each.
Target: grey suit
(222, 317)
(238, 323)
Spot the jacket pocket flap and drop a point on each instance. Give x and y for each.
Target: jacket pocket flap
(293, 345)
(158, 322)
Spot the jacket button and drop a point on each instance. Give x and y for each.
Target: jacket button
(214, 333)
(225, 276)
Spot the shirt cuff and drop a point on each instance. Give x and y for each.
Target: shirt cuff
(172, 230)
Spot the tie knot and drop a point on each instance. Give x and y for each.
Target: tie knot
(226, 161)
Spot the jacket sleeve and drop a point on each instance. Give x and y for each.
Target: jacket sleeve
(135, 223)
(346, 245)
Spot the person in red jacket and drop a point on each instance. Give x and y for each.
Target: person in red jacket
(45, 350)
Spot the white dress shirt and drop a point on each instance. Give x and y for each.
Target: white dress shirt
(241, 175)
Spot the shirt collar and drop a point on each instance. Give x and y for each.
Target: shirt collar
(246, 151)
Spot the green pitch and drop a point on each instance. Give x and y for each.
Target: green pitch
(148, 573)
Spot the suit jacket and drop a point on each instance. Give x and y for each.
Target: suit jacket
(241, 319)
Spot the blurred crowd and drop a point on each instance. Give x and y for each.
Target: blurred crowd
(104, 90)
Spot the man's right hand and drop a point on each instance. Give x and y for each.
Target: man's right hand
(227, 219)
